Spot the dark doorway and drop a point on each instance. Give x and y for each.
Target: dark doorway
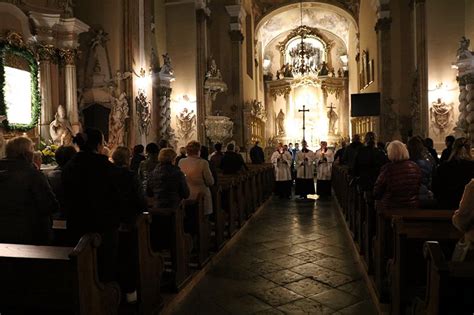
(97, 116)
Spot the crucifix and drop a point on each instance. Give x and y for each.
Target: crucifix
(304, 110)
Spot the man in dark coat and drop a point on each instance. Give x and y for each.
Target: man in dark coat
(350, 152)
(256, 154)
(232, 162)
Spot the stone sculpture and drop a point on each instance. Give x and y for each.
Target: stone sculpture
(117, 119)
(280, 123)
(441, 115)
(186, 123)
(60, 128)
(332, 117)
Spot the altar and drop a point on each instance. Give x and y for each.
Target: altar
(306, 67)
(326, 102)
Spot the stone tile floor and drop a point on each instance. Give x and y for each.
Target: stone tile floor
(292, 258)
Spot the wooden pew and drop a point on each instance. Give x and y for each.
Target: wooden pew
(150, 269)
(49, 279)
(228, 202)
(219, 217)
(368, 234)
(449, 286)
(383, 244)
(150, 263)
(194, 210)
(180, 244)
(408, 267)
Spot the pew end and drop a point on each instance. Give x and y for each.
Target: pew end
(449, 284)
(55, 279)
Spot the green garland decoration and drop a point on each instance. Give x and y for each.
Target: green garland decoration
(35, 94)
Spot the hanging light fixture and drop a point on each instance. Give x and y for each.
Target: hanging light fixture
(303, 53)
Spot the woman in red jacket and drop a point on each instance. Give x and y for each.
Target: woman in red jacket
(398, 184)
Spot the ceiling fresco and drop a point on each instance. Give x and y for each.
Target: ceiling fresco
(265, 6)
(313, 16)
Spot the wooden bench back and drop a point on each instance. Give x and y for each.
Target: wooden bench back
(53, 278)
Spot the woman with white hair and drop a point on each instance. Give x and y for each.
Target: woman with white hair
(398, 184)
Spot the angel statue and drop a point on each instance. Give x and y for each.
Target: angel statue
(60, 128)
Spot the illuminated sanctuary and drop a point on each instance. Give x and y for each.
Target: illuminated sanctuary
(151, 144)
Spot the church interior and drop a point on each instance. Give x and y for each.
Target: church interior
(236, 157)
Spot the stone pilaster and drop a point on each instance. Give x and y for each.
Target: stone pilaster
(389, 119)
(202, 15)
(237, 14)
(420, 122)
(46, 54)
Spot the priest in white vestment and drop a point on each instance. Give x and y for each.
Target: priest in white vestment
(281, 160)
(304, 172)
(324, 159)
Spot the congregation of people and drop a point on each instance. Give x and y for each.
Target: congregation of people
(411, 175)
(95, 192)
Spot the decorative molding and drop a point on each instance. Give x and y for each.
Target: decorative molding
(305, 31)
(68, 56)
(237, 14)
(46, 53)
(143, 108)
(280, 91)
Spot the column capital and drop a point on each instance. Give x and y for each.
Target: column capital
(68, 55)
(237, 14)
(201, 6)
(383, 24)
(46, 52)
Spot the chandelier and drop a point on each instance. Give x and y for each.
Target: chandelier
(305, 57)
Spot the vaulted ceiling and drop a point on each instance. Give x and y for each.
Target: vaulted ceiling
(262, 7)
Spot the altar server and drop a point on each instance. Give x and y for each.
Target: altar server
(324, 159)
(304, 172)
(281, 160)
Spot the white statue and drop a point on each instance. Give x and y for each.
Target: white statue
(60, 128)
(117, 118)
(333, 117)
(280, 122)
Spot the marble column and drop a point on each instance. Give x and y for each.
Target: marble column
(47, 114)
(389, 119)
(69, 57)
(237, 14)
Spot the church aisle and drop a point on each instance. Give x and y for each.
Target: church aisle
(292, 258)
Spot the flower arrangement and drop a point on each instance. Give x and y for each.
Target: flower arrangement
(48, 152)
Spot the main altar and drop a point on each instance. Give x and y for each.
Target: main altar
(307, 71)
